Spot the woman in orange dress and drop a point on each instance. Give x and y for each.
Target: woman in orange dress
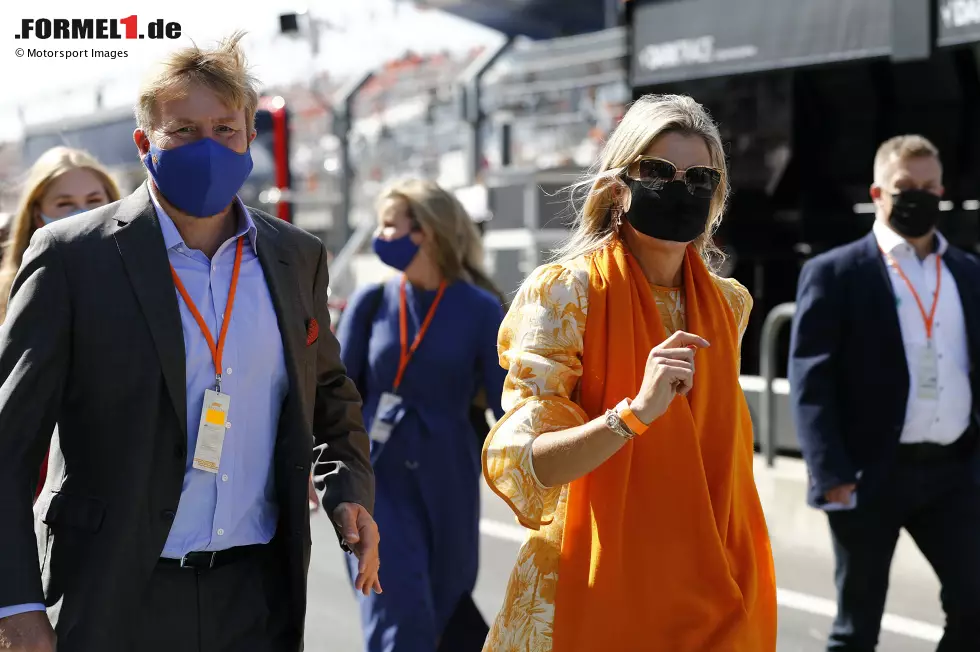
(626, 448)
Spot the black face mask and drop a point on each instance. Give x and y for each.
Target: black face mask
(914, 213)
(671, 213)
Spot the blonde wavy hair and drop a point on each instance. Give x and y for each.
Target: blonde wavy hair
(51, 165)
(222, 69)
(458, 248)
(596, 199)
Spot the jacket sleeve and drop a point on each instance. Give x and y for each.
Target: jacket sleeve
(35, 352)
(342, 468)
(814, 366)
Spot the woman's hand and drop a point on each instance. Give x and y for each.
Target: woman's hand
(669, 371)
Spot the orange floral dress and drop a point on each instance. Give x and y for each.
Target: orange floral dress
(541, 342)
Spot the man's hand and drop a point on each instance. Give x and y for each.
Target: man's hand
(360, 532)
(840, 495)
(313, 498)
(27, 632)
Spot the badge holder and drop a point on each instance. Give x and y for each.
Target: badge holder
(211, 431)
(927, 381)
(390, 411)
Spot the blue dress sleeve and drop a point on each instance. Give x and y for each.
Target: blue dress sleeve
(493, 373)
(354, 333)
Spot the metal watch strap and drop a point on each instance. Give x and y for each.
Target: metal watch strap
(617, 425)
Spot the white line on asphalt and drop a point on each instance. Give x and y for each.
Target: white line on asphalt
(786, 598)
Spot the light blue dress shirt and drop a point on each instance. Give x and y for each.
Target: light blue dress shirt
(237, 506)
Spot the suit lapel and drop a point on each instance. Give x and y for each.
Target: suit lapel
(279, 277)
(968, 299)
(880, 297)
(144, 254)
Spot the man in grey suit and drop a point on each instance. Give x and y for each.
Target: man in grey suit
(181, 343)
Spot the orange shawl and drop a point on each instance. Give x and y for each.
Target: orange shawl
(665, 545)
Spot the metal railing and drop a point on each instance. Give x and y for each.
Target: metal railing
(771, 328)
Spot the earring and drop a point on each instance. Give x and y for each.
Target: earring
(617, 220)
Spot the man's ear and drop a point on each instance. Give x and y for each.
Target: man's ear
(252, 137)
(142, 140)
(875, 192)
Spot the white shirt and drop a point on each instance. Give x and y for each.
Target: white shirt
(943, 419)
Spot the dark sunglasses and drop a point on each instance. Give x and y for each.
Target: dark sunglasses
(654, 173)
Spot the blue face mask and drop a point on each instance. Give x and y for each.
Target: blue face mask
(398, 253)
(48, 220)
(200, 178)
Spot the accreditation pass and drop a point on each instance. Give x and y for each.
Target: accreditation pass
(211, 433)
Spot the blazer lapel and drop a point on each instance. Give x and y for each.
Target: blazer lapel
(880, 298)
(968, 299)
(279, 277)
(144, 255)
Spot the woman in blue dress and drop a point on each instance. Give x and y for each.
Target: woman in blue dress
(421, 348)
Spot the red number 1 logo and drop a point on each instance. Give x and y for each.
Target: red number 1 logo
(130, 23)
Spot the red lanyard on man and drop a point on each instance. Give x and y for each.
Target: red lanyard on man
(216, 348)
(406, 352)
(927, 318)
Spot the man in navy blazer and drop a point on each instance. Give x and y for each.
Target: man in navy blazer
(883, 359)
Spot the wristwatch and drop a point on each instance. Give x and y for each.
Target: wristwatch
(631, 420)
(615, 423)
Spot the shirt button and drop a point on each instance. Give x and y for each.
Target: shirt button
(224, 478)
(168, 514)
(227, 425)
(221, 532)
(228, 370)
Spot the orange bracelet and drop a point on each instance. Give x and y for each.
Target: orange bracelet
(631, 420)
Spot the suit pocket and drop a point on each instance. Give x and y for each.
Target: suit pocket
(77, 512)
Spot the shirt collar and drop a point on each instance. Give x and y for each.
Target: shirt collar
(173, 239)
(894, 244)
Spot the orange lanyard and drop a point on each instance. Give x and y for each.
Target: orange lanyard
(216, 349)
(926, 318)
(407, 353)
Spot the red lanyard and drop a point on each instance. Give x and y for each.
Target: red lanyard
(407, 352)
(926, 318)
(216, 349)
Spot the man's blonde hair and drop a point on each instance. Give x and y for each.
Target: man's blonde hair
(901, 148)
(222, 69)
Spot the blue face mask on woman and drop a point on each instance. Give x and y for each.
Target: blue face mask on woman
(48, 220)
(398, 253)
(200, 178)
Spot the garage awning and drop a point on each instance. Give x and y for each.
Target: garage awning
(540, 19)
(677, 40)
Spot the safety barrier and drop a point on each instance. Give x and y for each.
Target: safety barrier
(771, 328)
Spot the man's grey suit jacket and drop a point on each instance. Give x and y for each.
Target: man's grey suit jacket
(93, 342)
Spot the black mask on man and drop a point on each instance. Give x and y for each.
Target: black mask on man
(914, 213)
(671, 213)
